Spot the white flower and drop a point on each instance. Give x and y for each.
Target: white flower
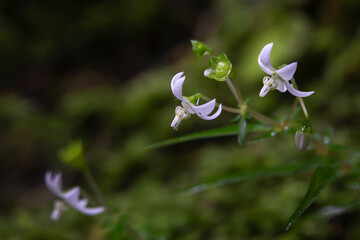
(279, 78)
(189, 108)
(71, 197)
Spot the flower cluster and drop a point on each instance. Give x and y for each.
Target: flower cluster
(69, 198)
(190, 105)
(279, 77)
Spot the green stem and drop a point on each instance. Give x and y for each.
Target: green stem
(225, 108)
(291, 112)
(302, 104)
(236, 92)
(261, 117)
(93, 185)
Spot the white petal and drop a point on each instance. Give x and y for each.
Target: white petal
(288, 71)
(204, 109)
(215, 115)
(295, 92)
(55, 215)
(264, 59)
(177, 88)
(54, 183)
(91, 210)
(177, 85)
(83, 202)
(72, 196)
(176, 78)
(281, 87)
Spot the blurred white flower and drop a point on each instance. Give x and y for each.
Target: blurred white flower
(69, 198)
(279, 77)
(189, 107)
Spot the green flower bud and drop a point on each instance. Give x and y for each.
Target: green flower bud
(220, 68)
(200, 49)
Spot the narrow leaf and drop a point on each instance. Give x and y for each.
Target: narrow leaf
(251, 174)
(241, 130)
(230, 130)
(323, 175)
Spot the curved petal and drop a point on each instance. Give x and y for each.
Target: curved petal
(92, 210)
(264, 59)
(177, 85)
(204, 109)
(281, 87)
(176, 78)
(54, 183)
(288, 71)
(72, 196)
(295, 92)
(83, 202)
(215, 115)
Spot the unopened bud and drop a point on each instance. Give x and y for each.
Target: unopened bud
(302, 140)
(222, 69)
(303, 136)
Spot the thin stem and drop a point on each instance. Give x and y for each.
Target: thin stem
(225, 108)
(291, 112)
(236, 92)
(302, 104)
(93, 185)
(261, 117)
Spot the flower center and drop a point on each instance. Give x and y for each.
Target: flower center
(59, 207)
(181, 113)
(269, 85)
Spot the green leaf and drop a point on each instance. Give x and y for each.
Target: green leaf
(324, 174)
(230, 130)
(73, 154)
(200, 49)
(339, 148)
(117, 231)
(251, 174)
(220, 68)
(242, 130)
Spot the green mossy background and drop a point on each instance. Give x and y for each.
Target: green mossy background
(101, 71)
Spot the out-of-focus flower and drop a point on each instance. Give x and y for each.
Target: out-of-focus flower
(190, 104)
(69, 198)
(279, 77)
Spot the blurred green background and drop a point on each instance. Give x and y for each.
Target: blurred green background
(100, 71)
